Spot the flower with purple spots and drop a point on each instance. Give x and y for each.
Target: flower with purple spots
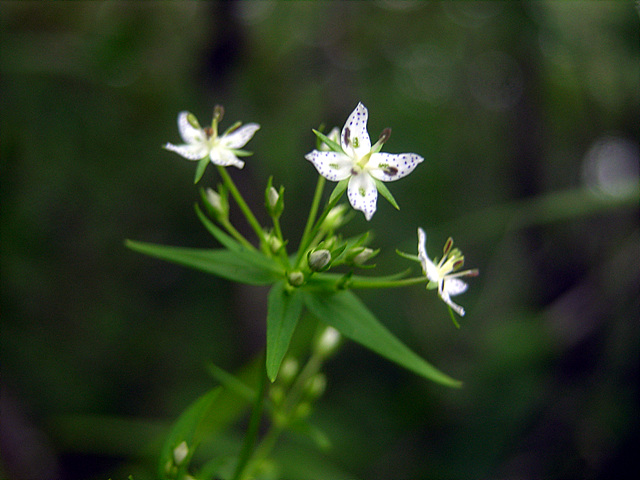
(222, 150)
(363, 164)
(444, 274)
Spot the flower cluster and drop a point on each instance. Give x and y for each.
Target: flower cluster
(346, 157)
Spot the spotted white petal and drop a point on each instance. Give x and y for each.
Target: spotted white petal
(454, 286)
(363, 194)
(331, 165)
(239, 138)
(389, 167)
(428, 267)
(188, 132)
(194, 151)
(225, 158)
(457, 308)
(358, 140)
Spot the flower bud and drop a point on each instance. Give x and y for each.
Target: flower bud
(335, 218)
(275, 244)
(328, 342)
(364, 255)
(219, 204)
(272, 197)
(319, 260)
(288, 370)
(180, 453)
(316, 386)
(295, 278)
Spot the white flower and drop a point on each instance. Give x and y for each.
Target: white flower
(362, 163)
(444, 274)
(201, 142)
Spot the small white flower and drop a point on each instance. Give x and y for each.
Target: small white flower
(362, 163)
(201, 142)
(444, 274)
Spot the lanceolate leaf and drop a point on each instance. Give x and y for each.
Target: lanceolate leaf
(241, 266)
(188, 428)
(283, 312)
(346, 313)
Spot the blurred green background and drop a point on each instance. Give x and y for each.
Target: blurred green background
(527, 116)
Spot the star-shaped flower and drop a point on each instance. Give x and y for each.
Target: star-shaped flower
(201, 142)
(444, 274)
(363, 164)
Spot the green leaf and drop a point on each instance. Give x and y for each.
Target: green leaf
(384, 191)
(241, 266)
(283, 312)
(224, 239)
(346, 312)
(187, 429)
(202, 164)
(339, 189)
(330, 143)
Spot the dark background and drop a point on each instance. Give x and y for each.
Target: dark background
(527, 116)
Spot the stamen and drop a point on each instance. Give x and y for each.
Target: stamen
(347, 136)
(447, 246)
(208, 132)
(384, 136)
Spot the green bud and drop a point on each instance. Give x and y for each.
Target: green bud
(316, 386)
(328, 342)
(288, 370)
(180, 453)
(275, 244)
(274, 201)
(335, 218)
(319, 260)
(364, 255)
(295, 278)
(219, 203)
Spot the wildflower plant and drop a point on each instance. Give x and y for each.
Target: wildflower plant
(316, 279)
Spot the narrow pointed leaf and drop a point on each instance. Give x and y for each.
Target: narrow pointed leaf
(339, 189)
(330, 143)
(346, 313)
(384, 191)
(224, 239)
(188, 428)
(283, 312)
(239, 266)
(202, 165)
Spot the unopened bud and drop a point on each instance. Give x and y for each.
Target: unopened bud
(275, 244)
(316, 385)
(319, 260)
(364, 255)
(335, 218)
(288, 370)
(180, 453)
(295, 278)
(272, 197)
(328, 341)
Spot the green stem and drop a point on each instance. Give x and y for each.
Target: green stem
(312, 216)
(289, 405)
(283, 251)
(237, 235)
(243, 205)
(405, 282)
(312, 233)
(252, 430)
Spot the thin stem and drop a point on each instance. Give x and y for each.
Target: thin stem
(278, 231)
(252, 431)
(236, 234)
(312, 216)
(292, 399)
(303, 246)
(405, 282)
(242, 204)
